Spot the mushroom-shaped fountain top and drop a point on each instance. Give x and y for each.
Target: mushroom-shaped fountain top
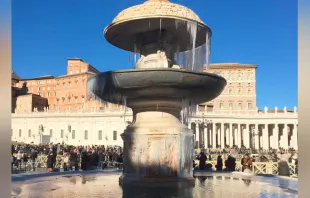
(144, 24)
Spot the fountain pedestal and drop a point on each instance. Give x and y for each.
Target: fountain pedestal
(158, 148)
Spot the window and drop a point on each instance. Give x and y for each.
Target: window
(221, 105)
(70, 72)
(86, 135)
(229, 76)
(76, 101)
(230, 91)
(239, 84)
(249, 84)
(73, 134)
(100, 135)
(239, 91)
(249, 105)
(114, 135)
(249, 91)
(69, 84)
(239, 76)
(20, 133)
(29, 133)
(48, 88)
(249, 76)
(69, 100)
(230, 105)
(51, 132)
(62, 133)
(240, 106)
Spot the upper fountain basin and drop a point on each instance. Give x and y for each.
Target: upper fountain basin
(163, 84)
(134, 26)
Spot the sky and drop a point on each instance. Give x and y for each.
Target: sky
(46, 33)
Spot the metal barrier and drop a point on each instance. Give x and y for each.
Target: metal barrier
(39, 166)
(268, 168)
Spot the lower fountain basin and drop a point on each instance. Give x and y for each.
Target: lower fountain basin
(105, 184)
(157, 86)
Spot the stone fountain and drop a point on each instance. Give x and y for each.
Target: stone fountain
(170, 42)
(158, 146)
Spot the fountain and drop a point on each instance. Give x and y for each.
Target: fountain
(171, 45)
(158, 147)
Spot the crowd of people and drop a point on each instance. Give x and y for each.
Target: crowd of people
(73, 157)
(98, 156)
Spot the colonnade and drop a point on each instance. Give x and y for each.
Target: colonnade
(254, 136)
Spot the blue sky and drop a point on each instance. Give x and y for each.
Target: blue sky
(46, 33)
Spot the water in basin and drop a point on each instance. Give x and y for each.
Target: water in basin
(106, 185)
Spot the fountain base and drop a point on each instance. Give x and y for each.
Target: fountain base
(158, 149)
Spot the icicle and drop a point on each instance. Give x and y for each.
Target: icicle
(129, 59)
(135, 53)
(192, 29)
(208, 48)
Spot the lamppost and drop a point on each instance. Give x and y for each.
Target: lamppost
(68, 132)
(254, 134)
(41, 130)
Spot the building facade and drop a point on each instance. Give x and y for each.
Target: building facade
(70, 114)
(264, 129)
(69, 92)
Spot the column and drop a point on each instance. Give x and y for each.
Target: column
(197, 134)
(231, 140)
(236, 135)
(276, 137)
(285, 137)
(294, 137)
(227, 135)
(206, 138)
(246, 134)
(256, 137)
(222, 135)
(239, 136)
(265, 137)
(213, 135)
(218, 132)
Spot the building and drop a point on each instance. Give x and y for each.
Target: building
(240, 92)
(67, 92)
(22, 100)
(76, 117)
(263, 129)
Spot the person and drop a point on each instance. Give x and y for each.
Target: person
(101, 158)
(202, 160)
(219, 163)
(74, 160)
(246, 162)
(33, 156)
(50, 161)
(66, 161)
(85, 161)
